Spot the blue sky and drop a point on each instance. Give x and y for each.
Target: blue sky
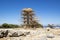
(48, 11)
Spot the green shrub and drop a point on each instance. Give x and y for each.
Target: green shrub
(5, 25)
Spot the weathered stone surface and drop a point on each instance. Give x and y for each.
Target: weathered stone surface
(29, 34)
(3, 33)
(50, 35)
(15, 34)
(15, 38)
(26, 33)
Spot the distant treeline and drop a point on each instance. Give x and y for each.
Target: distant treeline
(52, 25)
(5, 25)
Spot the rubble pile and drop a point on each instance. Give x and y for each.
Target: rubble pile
(29, 34)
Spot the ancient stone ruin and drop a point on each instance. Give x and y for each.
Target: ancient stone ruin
(29, 18)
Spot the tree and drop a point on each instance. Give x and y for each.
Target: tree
(51, 26)
(5, 25)
(0, 26)
(40, 25)
(13, 26)
(37, 25)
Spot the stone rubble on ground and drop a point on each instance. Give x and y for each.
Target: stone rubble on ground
(30, 34)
